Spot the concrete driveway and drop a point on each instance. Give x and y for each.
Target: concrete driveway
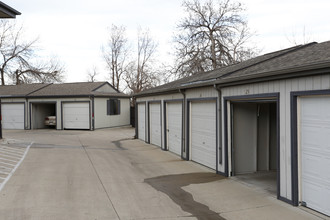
(105, 174)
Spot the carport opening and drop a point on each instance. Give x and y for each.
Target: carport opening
(254, 144)
(39, 112)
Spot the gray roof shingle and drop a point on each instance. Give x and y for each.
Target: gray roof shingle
(308, 57)
(290, 60)
(57, 90)
(68, 89)
(20, 90)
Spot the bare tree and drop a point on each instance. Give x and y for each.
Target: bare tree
(140, 74)
(19, 61)
(115, 54)
(91, 74)
(43, 72)
(298, 39)
(212, 35)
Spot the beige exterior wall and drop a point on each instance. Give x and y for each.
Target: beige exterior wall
(106, 88)
(102, 120)
(204, 92)
(160, 97)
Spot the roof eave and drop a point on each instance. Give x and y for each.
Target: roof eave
(7, 11)
(175, 90)
(63, 96)
(113, 96)
(313, 69)
(171, 91)
(12, 96)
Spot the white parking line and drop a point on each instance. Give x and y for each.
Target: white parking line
(10, 156)
(12, 150)
(15, 161)
(8, 152)
(4, 173)
(9, 164)
(12, 167)
(5, 168)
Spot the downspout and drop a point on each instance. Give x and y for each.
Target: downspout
(220, 126)
(93, 111)
(136, 121)
(184, 153)
(0, 121)
(27, 115)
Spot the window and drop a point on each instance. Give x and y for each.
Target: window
(113, 107)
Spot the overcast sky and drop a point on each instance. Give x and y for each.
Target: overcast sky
(75, 30)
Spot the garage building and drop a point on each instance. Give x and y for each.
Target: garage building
(266, 116)
(87, 106)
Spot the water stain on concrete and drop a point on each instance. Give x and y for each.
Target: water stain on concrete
(119, 145)
(172, 185)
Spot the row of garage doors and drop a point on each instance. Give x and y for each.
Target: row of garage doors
(167, 132)
(75, 115)
(313, 128)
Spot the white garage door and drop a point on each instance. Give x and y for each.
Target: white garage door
(174, 127)
(315, 152)
(203, 133)
(155, 128)
(142, 121)
(12, 116)
(76, 115)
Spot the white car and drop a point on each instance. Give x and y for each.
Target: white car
(50, 120)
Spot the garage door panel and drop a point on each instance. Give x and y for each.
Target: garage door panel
(203, 133)
(313, 192)
(316, 136)
(326, 175)
(311, 165)
(141, 121)
(12, 116)
(315, 152)
(174, 127)
(155, 124)
(76, 116)
(80, 110)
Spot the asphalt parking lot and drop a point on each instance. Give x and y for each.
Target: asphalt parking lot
(106, 174)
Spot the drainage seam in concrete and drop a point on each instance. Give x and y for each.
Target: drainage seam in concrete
(97, 174)
(244, 209)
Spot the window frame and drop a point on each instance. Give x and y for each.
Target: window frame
(113, 106)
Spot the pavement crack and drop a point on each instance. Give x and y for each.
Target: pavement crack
(244, 209)
(99, 178)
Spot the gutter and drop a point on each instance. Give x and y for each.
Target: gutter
(9, 11)
(0, 120)
(157, 93)
(93, 112)
(219, 156)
